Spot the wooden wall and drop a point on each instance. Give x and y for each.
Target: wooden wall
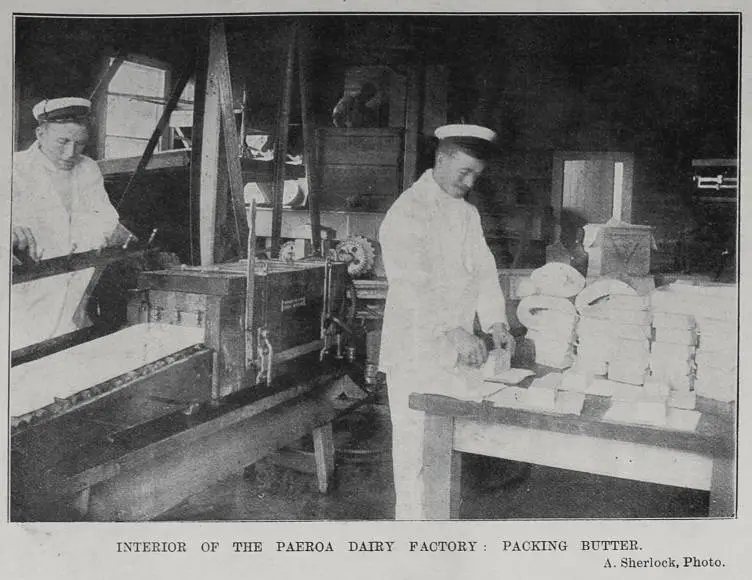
(663, 87)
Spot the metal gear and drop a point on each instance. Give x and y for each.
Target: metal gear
(359, 254)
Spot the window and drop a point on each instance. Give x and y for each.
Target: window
(136, 97)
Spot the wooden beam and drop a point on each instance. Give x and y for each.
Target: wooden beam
(441, 472)
(412, 120)
(161, 160)
(209, 159)
(323, 446)
(280, 148)
(309, 148)
(239, 224)
(197, 132)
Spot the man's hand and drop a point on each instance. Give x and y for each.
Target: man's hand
(24, 241)
(470, 348)
(502, 337)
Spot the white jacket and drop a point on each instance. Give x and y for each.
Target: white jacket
(47, 307)
(38, 205)
(440, 273)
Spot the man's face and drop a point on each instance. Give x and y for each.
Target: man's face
(62, 143)
(456, 172)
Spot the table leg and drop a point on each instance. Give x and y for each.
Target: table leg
(722, 488)
(441, 470)
(323, 449)
(81, 501)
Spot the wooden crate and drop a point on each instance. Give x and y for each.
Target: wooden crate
(359, 169)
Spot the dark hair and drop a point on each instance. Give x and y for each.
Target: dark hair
(478, 148)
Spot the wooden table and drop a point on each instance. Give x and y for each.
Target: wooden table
(703, 459)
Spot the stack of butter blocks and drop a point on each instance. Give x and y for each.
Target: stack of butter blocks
(672, 356)
(713, 308)
(593, 342)
(548, 313)
(553, 339)
(629, 318)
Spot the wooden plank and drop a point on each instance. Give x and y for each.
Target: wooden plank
(436, 98)
(649, 463)
(280, 147)
(130, 459)
(197, 137)
(323, 450)
(441, 470)
(62, 264)
(360, 146)
(309, 146)
(296, 459)
(250, 295)
(723, 488)
(239, 222)
(713, 437)
(214, 284)
(180, 468)
(159, 160)
(371, 203)
(412, 121)
(359, 180)
(209, 160)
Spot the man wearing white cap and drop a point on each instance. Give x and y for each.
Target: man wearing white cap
(59, 207)
(441, 275)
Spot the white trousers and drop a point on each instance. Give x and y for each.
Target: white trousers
(407, 443)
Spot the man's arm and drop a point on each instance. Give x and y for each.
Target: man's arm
(102, 227)
(491, 306)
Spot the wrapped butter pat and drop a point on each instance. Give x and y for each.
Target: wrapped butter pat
(573, 380)
(540, 397)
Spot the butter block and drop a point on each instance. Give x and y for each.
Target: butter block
(685, 336)
(627, 392)
(631, 316)
(573, 380)
(672, 351)
(682, 400)
(548, 381)
(627, 302)
(631, 331)
(656, 390)
(722, 360)
(651, 412)
(627, 372)
(540, 397)
(673, 320)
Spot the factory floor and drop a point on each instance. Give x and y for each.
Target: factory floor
(364, 489)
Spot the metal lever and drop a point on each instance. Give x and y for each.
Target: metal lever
(265, 355)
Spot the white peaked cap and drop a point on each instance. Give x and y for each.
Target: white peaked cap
(466, 132)
(63, 109)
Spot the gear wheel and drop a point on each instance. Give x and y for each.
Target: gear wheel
(359, 254)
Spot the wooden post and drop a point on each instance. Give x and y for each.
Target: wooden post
(194, 210)
(239, 225)
(280, 148)
(412, 118)
(309, 148)
(441, 472)
(209, 159)
(323, 449)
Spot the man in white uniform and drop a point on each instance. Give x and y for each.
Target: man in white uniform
(59, 207)
(441, 274)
